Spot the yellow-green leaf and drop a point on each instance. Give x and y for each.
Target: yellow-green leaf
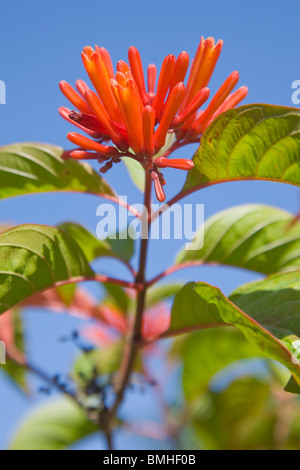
(256, 141)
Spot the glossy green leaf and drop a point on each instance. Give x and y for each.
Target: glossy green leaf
(225, 345)
(252, 236)
(66, 293)
(274, 302)
(117, 296)
(256, 141)
(52, 426)
(35, 257)
(34, 167)
(94, 248)
(249, 414)
(260, 310)
(90, 245)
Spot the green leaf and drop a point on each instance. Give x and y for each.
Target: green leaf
(52, 426)
(252, 410)
(94, 248)
(163, 292)
(66, 293)
(260, 310)
(118, 297)
(35, 257)
(256, 141)
(225, 345)
(292, 386)
(33, 168)
(136, 172)
(251, 236)
(274, 302)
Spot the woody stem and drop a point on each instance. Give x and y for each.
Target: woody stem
(134, 338)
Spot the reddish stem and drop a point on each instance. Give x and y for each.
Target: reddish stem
(135, 334)
(173, 269)
(100, 278)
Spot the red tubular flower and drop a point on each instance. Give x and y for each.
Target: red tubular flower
(74, 97)
(99, 75)
(201, 123)
(179, 163)
(164, 81)
(135, 120)
(137, 72)
(180, 69)
(84, 155)
(96, 105)
(89, 144)
(130, 105)
(151, 76)
(192, 107)
(230, 102)
(82, 87)
(160, 194)
(173, 103)
(148, 118)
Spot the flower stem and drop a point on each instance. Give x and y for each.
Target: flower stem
(131, 348)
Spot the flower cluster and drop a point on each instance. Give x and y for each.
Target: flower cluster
(126, 118)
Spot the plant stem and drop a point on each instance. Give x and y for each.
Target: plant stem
(134, 338)
(176, 267)
(98, 278)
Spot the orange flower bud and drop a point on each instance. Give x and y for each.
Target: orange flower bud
(164, 80)
(131, 108)
(84, 155)
(101, 113)
(219, 98)
(172, 106)
(99, 76)
(123, 67)
(82, 87)
(180, 69)
(160, 194)
(74, 97)
(89, 144)
(192, 107)
(179, 163)
(151, 76)
(137, 72)
(148, 118)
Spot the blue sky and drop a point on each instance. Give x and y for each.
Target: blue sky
(41, 44)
